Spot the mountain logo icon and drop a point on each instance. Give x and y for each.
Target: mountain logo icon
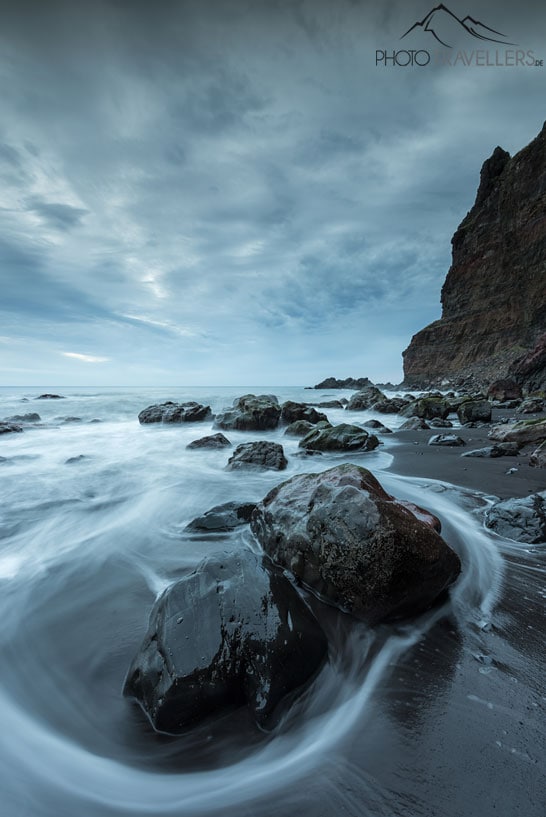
(447, 28)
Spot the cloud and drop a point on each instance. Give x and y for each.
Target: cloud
(61, 216)
(86, 358)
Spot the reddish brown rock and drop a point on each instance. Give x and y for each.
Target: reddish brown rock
(494, 296)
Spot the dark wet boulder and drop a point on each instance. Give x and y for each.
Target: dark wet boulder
(494, 451)
(364, 399)
(504, 390)
(223, 518)
(335, 404)
(523, 520)
(427, 408)
(291, 412)
(233, 632)
(250, 413)
(446, 440)
(343, 437)
(342, 535)
(260, 455)
(390, 406)
(31, 417)
(50, 397)
(532, 405)
(211, 441)
(169, 412)
(414, 424)
(538, 457)
(10, 428)
(472, 411)
(299, 429)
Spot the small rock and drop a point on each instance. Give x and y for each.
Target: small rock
(10, 428)
(538, 457)
(73, 460)
(414, 424)
(32, 417)
(223, 518)
(212, 441)
(446, 439)
(437, 422)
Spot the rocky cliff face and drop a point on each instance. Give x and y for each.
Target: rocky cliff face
(494, 296)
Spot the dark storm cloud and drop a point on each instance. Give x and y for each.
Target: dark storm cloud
(197, 180)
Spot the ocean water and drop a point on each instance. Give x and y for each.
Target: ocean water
(403, 719)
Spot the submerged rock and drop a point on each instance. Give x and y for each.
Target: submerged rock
(344, 537)
(234, 631)
(50, 397)
(32, 417)
(260, 455)
(223, 518)
(10, 428)
(212, 441)
(251, 413)
(343, 437)
(169, 412)
(523, 520)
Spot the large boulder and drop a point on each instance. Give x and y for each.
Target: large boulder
(426, 408)
(343, 437)
(234, 631)
(524, 431)
(347, 539)
(258, 456)
(299, 428)
(504, 390)
(472, 411)
(291, 412)
(169, 412)
(223, 518)
(521, 519)
(251, 413)
(365, 398)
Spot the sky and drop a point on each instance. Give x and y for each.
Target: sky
(233, 192)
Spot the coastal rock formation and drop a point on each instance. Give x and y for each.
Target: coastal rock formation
(353, 544)
(494, 296)
(234, 631)
(170, 412)
(251, 413)
(348, 383)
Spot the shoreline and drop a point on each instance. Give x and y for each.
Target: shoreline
(413, 457)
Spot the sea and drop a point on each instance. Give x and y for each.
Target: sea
(440, 716)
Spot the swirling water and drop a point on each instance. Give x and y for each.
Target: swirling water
(87, 545)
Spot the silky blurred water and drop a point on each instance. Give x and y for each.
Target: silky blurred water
(85, 548)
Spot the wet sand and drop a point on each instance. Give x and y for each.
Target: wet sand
(414, 457)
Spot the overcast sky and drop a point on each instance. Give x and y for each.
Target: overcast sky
(232, 192)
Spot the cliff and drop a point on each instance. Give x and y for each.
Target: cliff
(494, 295)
